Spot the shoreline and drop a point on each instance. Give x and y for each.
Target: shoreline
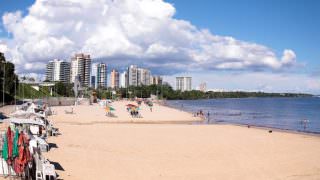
(205, 122)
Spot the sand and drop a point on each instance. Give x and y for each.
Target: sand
(93, 146)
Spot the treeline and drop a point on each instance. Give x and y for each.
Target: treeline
(167, 92)
(9, 82)
(162, 92)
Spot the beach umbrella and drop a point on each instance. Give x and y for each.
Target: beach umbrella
(15, 152)
(5, 154)
(107, 109)
(9, 136)
(131, 105)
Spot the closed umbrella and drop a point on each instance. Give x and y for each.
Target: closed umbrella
(5, 154)
(15, 152)
(9, 136)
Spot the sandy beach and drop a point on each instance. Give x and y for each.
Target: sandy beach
(165, 144)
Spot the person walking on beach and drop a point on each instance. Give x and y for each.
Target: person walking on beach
(208, 116)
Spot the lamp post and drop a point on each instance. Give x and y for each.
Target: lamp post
(3, 82)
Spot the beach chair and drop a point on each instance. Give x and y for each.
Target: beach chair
(69, 112)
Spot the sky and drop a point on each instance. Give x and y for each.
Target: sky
(252, 45)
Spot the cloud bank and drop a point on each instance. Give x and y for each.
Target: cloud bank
(128, 31)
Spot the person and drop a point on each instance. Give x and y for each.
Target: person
(208, 116)
(305, 122)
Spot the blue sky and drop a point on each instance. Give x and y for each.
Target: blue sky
(10, 6)
(288, 28)
(275, 23)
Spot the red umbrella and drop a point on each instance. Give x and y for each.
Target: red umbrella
(131, 105)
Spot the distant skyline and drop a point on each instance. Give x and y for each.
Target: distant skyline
(265, 45)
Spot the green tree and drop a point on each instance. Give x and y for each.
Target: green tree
(64, 89)
(8, 78)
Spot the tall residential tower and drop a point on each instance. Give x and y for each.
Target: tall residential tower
(184, 83)
(115, 79)
(58, 70)
(81, 67)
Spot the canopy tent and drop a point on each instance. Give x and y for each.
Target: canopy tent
(23, 121)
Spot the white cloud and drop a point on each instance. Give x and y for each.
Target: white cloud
(143, 30)
(289, 57)
(3, 48)
(255, 81)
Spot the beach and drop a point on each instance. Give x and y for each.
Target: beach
(167, 144)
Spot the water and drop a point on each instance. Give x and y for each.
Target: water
(281, 113)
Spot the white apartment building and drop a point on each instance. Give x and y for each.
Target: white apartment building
(184, 83)
(124, 79)
(99, 76)
(58, 70)
(133, 75)
(138, 76)
(144, 77)
(81, 67)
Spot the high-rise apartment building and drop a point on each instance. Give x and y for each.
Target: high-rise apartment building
(115, 79)
(58, 70)
(124, 79)
(144, 77)
(138, 76)
(156, 80)
(184, 83)
(81, 67)
(100, 74)
(133, 75)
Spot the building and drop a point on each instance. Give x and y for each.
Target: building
(93, 81)
(99, 76)
(115, 79)
(144, 76)
(184, 83)
(133, 75)
(58, 71)
(124, 79)
(81, 67)
(156, 80)
(203, 87)
(138, 76)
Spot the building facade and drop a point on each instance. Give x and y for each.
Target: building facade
(144, 76)
(81, 67)
(156, 80)
(184, 83)
(58, 71)
(115, 79)
(124, 80)
(133, 75)
(101, 76)
(138, 76)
